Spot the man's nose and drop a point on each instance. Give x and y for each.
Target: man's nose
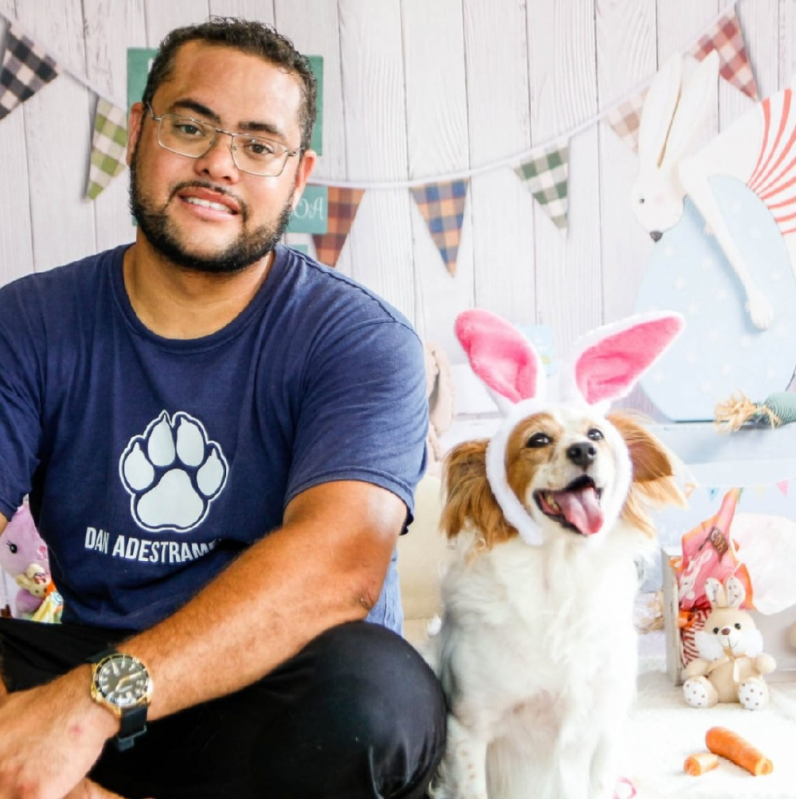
(218, 161)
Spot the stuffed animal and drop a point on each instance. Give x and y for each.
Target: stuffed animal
(731, 661)
(440, 393)
(23, 555)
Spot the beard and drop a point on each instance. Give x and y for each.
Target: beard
(248, 248)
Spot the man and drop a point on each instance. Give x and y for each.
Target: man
(220, 439)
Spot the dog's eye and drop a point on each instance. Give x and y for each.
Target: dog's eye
(538, 440)
(737, 625)
(595, 435)
(715, 631)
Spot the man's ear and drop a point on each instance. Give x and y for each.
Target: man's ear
(305, 167)
(136, 120)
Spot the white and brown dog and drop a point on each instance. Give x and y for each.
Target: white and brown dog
(537, 648)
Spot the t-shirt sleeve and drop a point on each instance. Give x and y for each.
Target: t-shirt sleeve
(20, 401)
(364, 413)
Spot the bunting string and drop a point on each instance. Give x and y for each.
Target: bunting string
(544, 168)
(64, 67)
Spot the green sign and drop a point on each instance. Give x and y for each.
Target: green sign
(311, 214)
(139, 61)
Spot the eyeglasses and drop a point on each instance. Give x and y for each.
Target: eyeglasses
(193, 139)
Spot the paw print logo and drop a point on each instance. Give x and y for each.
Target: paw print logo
(172, 473)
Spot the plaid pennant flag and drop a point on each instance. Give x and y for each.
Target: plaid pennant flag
(108, 147)
(625, 119)
(25, 69)
(727, 39)
(546, 175)
(342, 207)
(442, 206)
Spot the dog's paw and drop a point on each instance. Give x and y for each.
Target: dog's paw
(172, 473)
(753, 693)
(697, 692)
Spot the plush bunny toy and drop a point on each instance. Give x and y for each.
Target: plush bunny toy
(732, 663)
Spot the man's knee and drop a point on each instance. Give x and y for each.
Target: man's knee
(371, 713)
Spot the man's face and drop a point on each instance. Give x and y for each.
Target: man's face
(204, 213)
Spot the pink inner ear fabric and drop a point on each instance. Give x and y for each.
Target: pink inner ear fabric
(610, 368)
(499, 354)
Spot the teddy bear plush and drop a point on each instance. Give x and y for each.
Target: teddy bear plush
(731, 661)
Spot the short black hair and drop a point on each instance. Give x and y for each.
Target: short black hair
(248, 36)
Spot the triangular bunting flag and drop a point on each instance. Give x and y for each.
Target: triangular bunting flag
(108, 146)
(545, 174)
(442, 206)
(25, 69)
(726, 38)
(342, 207)
(625, 119)
(783, 486)
(713, 491)
(760, 490)
(689, 489)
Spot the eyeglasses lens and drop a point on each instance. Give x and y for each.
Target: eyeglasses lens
(193, 139)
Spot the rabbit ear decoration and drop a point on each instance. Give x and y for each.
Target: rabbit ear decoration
(736, 593)
(696, 92)
(501, 356)
(715, 593)
(611, 359)
(658, 111)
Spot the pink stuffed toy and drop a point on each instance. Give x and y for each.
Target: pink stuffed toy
(23, 555)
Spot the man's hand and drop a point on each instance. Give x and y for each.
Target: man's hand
(50, 737)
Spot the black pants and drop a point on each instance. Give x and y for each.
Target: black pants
(357, 713)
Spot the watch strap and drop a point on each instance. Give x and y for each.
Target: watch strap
(132, 721)
(133, 726)
(102, 655)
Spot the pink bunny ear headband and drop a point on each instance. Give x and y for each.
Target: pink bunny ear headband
(608, 362)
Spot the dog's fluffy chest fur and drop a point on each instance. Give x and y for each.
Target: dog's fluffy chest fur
(533, 625)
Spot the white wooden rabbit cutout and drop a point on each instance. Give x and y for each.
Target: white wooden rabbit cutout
(759, 149)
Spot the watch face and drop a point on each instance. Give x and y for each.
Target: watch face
(122, 680)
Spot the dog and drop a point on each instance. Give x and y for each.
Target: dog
(537, 647)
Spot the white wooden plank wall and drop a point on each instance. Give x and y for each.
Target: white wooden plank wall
(413, 89)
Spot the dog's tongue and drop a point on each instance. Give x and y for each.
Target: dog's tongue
(581, 509)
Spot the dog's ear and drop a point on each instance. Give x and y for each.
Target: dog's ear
(653, 483)
(469, 497)
(651, 460)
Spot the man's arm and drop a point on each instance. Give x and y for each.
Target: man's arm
(325, 566)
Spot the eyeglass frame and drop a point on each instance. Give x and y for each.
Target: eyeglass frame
(288, 152)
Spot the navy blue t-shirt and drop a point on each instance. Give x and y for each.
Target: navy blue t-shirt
(152, 462)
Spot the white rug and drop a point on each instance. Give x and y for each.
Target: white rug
(664, 731)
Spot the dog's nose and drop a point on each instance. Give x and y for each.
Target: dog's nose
(582, 453)
(656, 235)
(725, 630)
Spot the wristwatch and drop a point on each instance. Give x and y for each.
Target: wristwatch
(122, 685)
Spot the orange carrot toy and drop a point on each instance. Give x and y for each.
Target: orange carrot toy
(698, 764)
(729, 744)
